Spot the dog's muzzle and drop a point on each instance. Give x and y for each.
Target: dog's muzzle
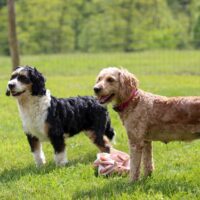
(97, 90)
(9, 88)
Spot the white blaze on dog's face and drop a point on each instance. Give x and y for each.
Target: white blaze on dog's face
(26, 81)
(19, 82)
(107, 85)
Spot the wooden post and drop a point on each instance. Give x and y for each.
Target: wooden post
(12, 36)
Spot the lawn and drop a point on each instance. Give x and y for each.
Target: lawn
(177, 164)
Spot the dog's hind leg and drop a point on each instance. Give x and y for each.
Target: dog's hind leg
(36, 148)
(109, 132)
(58, 143)
(100, 141)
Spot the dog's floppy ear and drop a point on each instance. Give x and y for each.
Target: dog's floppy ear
(38, 83)
(127, 83)
(127, 79)
(16, 68)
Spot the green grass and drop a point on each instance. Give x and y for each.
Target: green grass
(177, 164)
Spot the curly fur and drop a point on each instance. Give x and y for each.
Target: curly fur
(47, 118)
(149, 117)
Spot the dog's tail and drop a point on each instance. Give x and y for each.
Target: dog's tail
(109, 132)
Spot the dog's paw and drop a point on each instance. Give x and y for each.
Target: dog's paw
(133, 180)
(61, 163)
(60, 159)
(40, 163)
(39, 158)
(134, 177)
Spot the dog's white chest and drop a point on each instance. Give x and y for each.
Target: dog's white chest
(34, 115)
(34, 123)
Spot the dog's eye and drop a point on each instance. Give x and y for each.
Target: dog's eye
(110, 79)
(98, 79)
(13, 76)
(23, 79)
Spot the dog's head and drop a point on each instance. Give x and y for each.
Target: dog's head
(26, 81)
(114, 84)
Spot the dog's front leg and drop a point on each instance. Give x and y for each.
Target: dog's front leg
(58, 142)
(135, 159)
(36, 148)
(148, 158)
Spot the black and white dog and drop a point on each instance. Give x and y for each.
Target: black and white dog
(46, 118)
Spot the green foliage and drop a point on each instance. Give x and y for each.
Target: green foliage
(2, 3)
(177, 165)
(196, 27)
(100, 25)
(4, 49)
(197, 33)
(45, 26)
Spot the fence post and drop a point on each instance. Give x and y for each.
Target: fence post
(12, 36)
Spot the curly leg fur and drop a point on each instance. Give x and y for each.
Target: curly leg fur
(135, 161)
(147, 156)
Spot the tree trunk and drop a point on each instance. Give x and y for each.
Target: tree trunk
(14, 52)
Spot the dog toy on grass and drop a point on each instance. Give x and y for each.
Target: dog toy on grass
(115, 162)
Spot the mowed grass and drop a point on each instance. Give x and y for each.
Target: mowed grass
(177, 174)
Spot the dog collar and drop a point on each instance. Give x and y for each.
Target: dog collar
(122, 106)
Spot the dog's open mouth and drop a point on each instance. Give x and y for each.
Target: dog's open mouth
(105, 99)
(15, 94)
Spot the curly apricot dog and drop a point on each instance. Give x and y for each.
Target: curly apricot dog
(147, 117)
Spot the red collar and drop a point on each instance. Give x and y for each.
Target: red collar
(122, 106)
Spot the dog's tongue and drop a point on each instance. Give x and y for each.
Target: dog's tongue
(102, 99)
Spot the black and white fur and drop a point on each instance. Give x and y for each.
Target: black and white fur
(47, 118)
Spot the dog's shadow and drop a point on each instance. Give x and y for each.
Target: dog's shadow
(14, 174)
(166, 187)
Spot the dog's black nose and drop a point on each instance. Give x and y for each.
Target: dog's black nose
(11, 85)
(97, 89)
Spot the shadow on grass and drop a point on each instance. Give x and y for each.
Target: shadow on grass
(14, 174)
(168, 187)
